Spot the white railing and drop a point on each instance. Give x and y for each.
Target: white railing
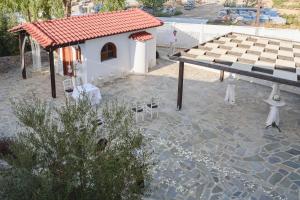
(190, 35)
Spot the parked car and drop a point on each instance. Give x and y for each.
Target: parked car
(264, 18)
(278, 20)
(248, 15)
(189, 5)
(147, 9)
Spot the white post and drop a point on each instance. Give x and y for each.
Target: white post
(36, 54)
(201, 34)
(230, 91)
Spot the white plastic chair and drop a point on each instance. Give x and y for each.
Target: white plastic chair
(153, 106)
(138, 110)
(68, 88)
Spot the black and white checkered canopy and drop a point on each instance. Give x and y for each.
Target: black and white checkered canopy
(266, 56)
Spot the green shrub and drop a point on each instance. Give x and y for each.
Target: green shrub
(292, 20)
(178, 12)
(285, 4)
(230, 3)
(62, 153)
(8, 42)
(161, 14)
(277, 3)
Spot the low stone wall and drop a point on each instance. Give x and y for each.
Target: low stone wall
(9, 62)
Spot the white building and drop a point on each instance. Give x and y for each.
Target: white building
(115, 55)
(96, 45)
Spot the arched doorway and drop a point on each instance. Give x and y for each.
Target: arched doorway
(68, 61)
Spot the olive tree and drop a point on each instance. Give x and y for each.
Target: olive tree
(66, 152)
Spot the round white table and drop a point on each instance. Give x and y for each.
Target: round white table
(273, 116)
(230, 91)
(91, 91)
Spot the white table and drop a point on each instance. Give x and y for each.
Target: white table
(273, 116)
(91, 91)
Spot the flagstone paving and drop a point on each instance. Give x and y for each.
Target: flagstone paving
(208, 150)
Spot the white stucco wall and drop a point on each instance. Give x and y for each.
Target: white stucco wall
(96, 68)
(124, 61)
(129, 53)
(138, 57)
(151, 48)
(143, 54)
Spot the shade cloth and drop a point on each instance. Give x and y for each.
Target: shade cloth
(92, 92)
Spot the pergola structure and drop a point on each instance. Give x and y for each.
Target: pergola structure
(259, 57)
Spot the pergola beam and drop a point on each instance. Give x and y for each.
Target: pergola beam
(227, 68)
(222, 68)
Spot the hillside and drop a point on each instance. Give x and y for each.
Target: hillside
(287, 4)
(290, 10)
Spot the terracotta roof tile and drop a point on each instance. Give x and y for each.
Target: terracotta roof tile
(141, 36)
(79, 28)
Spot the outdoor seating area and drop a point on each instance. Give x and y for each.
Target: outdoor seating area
(208, 149)
(151, 107)
(75, 89)
(257, 57)
(124, 104)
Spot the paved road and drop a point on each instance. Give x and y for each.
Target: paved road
(208, 11)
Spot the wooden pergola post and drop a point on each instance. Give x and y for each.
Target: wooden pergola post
(22, 36)
(221, 75)
(52, 73)
(180, 85)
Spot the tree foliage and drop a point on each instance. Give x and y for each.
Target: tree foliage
(8, 42)
(250, 3)
(29, 10)
(154, 4)
(67, 5)
(230, 3)
(111, 5)
(62, 153)
(13, 12)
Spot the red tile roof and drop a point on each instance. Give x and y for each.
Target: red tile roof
(17, 28)
(141, 36)
(74, 29)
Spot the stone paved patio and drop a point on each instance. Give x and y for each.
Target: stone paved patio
(209, 150)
